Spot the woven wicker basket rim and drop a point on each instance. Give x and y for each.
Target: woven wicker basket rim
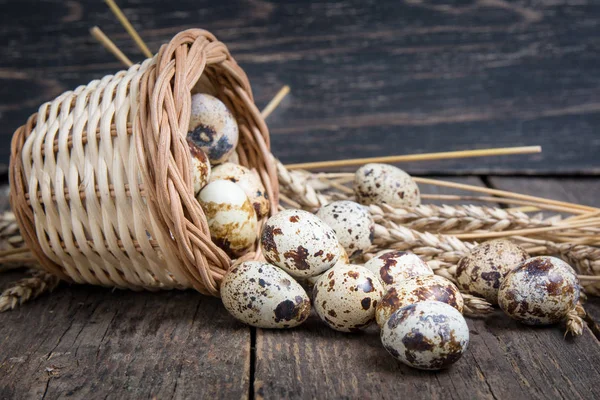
(146, 108)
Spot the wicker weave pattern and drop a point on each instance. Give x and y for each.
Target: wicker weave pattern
(100, 177)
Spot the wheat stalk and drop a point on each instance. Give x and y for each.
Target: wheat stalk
(443, 250)
(293, 185)
(466, 218)
(475, 307)
(574, 321)
(27, 289)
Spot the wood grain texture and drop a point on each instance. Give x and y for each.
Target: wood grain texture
(504, 360)
(368, 78)
(88, 342)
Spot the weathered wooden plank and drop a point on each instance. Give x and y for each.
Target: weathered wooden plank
(504, 360)
(582, 190)
(90, 342)
(368, 77)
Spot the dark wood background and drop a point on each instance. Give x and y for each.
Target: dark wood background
(368, 77)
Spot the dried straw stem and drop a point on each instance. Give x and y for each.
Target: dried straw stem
(417, 157)
(129, 28)
(109, 45)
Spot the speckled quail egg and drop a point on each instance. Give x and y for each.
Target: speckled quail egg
(300, 243)
(249, 181)
(213, 127)
(393, 266)
(384, 183)
(200, 167)
(234, 158)
(230, 216)
(346, 296)
(482, 271)
(427, 335)
(539, 291)
(342, 260)
(415, 289)
(262, 295)
(352, 224)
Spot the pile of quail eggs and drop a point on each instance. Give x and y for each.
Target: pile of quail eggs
(419, 313)
(535, 291)
(232, 196)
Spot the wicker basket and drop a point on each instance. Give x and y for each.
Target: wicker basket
(100, 177)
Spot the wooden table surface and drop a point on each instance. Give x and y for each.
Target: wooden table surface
(368, 78)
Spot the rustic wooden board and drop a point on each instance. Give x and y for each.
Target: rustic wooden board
(88, 342)
(582, 190)
(505, 360)
(368, 77)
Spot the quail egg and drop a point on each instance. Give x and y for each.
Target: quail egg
(428, 335)
(249, 181)
(230, 216)
(392, 267)
(352, 224)
(482, 271)
(234, 158)
(342, 260)
(384, 183)
(212, 127)
(539, 291)
(262, 295)
(345, 297)
(415, 289)
(300, 243)
(200, 167)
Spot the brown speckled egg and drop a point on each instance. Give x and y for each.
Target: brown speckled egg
(248, 180)
(539, 291)
(428, 335)
(346, 296)
(415, 289)
(394, 266)
(482, 271)
(300, 243)
(200, 167)
(212, 127)
(342, 260)
(384, 183)
(262, 295)
(230, 216)
(352, 223)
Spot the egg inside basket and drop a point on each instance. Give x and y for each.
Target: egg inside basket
(101, 181)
